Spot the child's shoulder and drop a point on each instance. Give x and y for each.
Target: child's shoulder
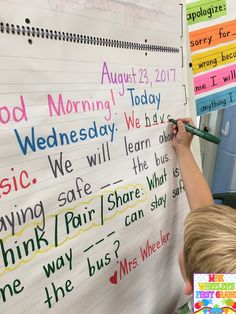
(185, 309)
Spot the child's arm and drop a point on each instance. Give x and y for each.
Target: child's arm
(196, 187)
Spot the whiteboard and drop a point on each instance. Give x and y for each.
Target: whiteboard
(91, 198)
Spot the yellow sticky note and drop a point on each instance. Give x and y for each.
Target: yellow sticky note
(214, 58)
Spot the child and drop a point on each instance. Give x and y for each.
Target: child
(209, 229)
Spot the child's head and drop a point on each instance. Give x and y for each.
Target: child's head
(209, 242)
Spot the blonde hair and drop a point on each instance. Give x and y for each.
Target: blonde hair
(210, 241)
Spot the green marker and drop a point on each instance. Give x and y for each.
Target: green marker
(205, 135)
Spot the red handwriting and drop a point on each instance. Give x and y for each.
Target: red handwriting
(15, 182)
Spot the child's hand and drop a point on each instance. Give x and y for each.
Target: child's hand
(182, 138)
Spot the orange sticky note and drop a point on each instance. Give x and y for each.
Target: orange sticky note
(213, 35)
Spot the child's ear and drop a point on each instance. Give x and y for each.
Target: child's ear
(188, 288)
